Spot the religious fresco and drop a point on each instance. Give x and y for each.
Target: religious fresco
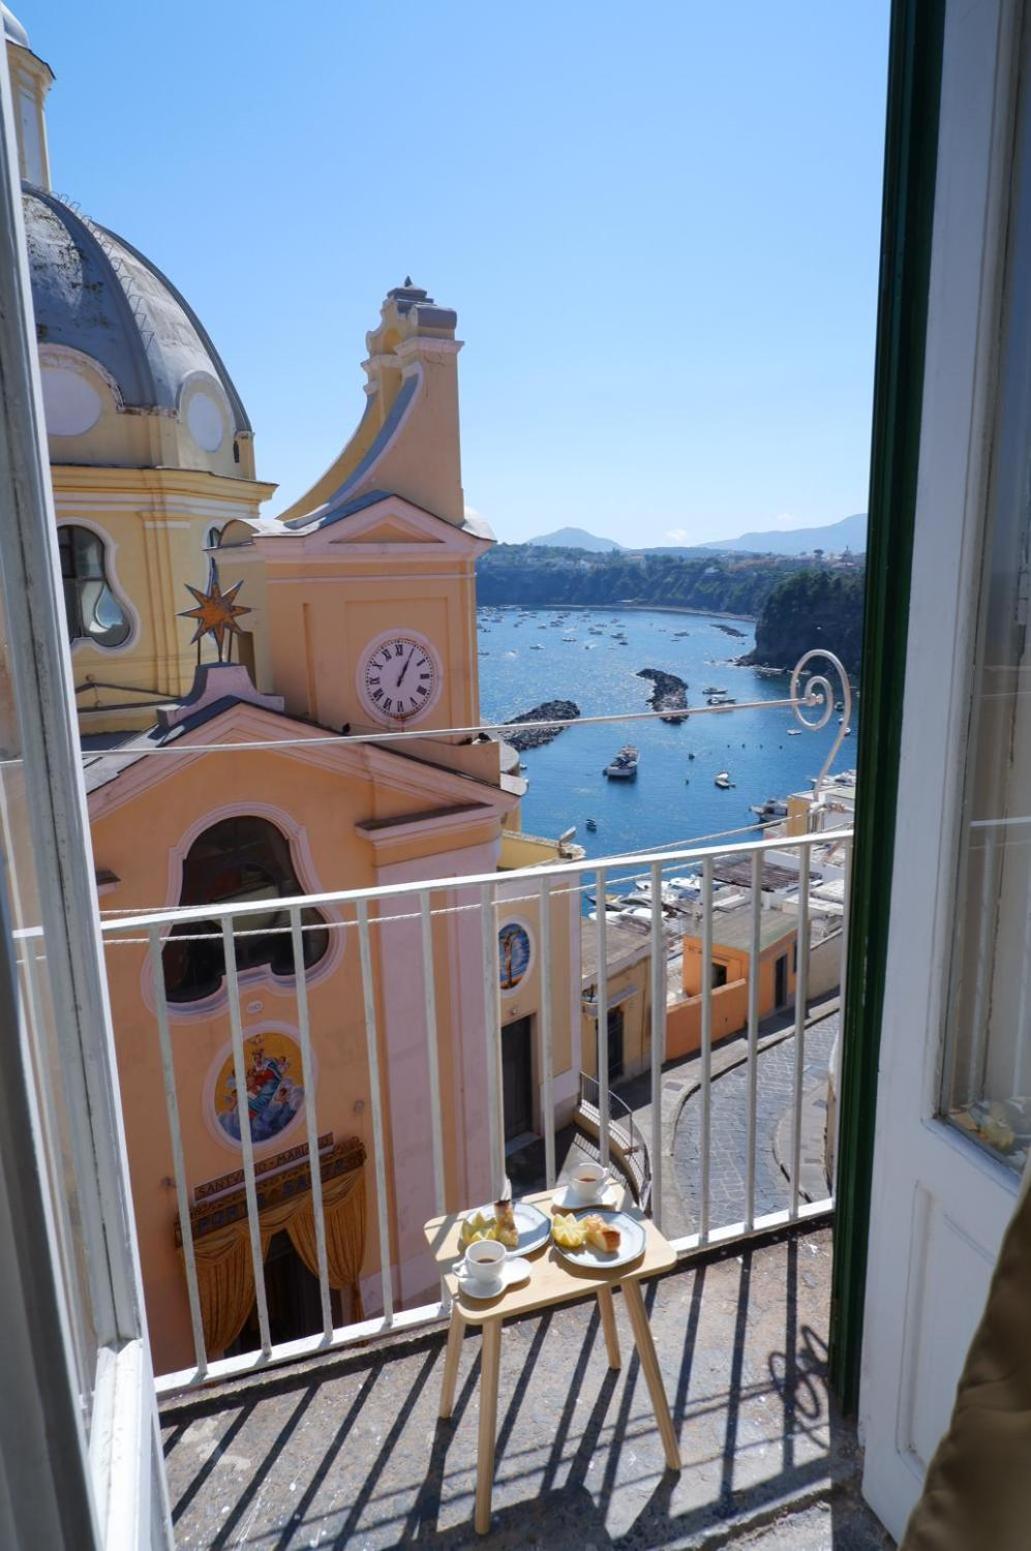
(272, 1063)
(513, 954)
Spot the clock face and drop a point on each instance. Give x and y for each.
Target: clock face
(399, 678)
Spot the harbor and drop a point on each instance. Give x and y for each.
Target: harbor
(594, 659)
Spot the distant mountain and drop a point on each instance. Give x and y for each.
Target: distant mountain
(849, 533)
(576, 538)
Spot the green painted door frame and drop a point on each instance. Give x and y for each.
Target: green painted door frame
(910, 164)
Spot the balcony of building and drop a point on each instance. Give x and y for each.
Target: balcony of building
(317, 1422)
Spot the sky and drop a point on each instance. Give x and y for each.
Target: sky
(658, 225)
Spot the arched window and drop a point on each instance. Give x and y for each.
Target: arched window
(91, 608)
(241, 858)
(212, 536)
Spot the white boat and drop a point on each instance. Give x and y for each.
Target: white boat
(686, 887)
(794, 732)
(772, 808)
(536, 647)
(624, 766)
(723, 780)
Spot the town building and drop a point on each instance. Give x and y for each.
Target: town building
(200, 626)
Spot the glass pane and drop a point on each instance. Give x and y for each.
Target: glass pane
(986, 1086)
(52, 1080)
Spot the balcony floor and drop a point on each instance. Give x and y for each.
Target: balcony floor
(348, 1451)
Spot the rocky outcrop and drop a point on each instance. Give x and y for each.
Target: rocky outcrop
(669, 693)
(731, 630)
(537, 737)
(812, 609)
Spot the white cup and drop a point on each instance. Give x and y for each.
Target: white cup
(484, 1259)
(589, 1179)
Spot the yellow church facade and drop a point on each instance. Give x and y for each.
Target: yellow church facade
(215, 776)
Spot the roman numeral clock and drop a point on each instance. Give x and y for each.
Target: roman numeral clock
(399, 677)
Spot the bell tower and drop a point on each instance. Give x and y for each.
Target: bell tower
(31, 79)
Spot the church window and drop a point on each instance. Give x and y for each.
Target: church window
(92, 610)
(242, 858)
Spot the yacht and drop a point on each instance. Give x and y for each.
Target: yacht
(624, 766)
(723, 780)
(772, 808)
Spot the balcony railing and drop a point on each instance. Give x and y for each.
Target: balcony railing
(361, 914)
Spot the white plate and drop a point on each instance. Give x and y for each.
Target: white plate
(533, 1227)
(631, 1245)
(514, 1269)
(568, 1197)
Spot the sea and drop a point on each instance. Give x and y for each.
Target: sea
(527, 657)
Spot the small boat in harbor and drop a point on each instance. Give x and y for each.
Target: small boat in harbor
(772, 808)
(713, 689)
(591, 826)
(723, 780)
(794, 732)
(624, 766)
(536, 647)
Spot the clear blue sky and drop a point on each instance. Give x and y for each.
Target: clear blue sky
(658, 224)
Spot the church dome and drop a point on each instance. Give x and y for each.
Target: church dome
(96, 295)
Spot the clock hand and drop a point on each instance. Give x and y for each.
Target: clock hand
(404, 670)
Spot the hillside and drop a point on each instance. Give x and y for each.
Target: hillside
(525, 574)
(810, 609)
(575, 538)
(833, 538)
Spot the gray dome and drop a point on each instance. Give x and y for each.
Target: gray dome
(95, 293)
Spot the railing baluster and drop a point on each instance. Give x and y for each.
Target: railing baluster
(376, 1105)
(492, 1032)
(311, 1123)
(658, 992)
(801, 999)
(429, 986)
(602, 1000)
(706, 1045)
(752, 1080)
(182, 1190)
(544, 1017)
(842, 988)
(246, 1142)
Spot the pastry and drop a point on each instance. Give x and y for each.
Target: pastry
(505, 1230)
(600, 1234)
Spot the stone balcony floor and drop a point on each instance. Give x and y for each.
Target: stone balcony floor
(347, 1450)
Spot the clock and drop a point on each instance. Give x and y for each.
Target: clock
(399, 677)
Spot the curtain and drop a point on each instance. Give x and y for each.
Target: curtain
(225, 1282)
(978, 1488)
(343, 1203)
(225, 1274)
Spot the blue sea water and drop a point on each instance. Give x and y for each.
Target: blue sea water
(674, 798)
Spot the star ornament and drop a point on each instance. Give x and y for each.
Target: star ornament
(216, 612)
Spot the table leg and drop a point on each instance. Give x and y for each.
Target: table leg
(490, 1362)
(650, 1365)
(608, 1323)
(456, 1330)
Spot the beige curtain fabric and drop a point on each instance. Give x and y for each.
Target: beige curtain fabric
(225, 1282)
(343, 1202)
(225, 1274)
(978, 1488)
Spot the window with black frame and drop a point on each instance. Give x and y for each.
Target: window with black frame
(245, 859)
(91, 608)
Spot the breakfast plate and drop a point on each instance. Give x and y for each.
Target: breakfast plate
(532, 1226)
(631, 1243)
(513, 1270)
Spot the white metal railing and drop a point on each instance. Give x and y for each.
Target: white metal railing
(365, 912)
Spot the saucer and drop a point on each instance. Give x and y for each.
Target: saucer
(571, 1199)
(513, 1270)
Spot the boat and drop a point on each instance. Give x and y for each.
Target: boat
(686, 886)
(690, 756)
(723, 780)
(624, 766)
(536, 647)
(794, 732)
(713, 689)
(721, 702)
(772, 808)
(591, 826)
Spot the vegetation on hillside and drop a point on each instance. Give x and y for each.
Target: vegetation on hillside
(813, 608)
(526, 574)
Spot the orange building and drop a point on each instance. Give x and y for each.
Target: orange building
(731, 949)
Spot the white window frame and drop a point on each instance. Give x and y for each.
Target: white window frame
(58, 1487)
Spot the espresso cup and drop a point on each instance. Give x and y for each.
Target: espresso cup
(589, 1179)
(484, 1259)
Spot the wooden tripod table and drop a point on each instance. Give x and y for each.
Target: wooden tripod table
(553, 1280)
